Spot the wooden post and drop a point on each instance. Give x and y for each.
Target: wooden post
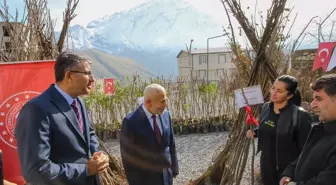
(1, 170)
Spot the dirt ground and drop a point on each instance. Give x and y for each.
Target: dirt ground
(195, 154)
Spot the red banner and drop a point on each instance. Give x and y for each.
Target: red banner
(250, 118)
(19, 82)
(323, 55)
(108, 85)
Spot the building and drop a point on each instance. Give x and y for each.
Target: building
(4, 37)
(196, 66)
(15, 39)
(303, 58)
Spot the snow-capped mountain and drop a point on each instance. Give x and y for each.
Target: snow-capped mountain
(152, 33)
(80, 37)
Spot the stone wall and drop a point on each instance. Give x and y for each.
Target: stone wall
(303, 58)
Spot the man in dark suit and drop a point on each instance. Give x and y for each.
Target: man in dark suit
(56, 143)
(147, 141)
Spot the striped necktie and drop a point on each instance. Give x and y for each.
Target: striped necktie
(75, 108)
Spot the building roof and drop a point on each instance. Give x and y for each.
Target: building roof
(211, 50)
(204, 51)
(178, 55)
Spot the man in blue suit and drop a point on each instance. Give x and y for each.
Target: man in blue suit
(56, 143)
(147, 141)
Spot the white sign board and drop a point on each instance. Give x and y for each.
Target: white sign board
(140, 100)
(253, 95)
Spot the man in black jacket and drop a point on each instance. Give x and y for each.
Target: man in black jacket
(316, 164)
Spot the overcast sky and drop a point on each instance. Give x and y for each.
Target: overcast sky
(89, 10)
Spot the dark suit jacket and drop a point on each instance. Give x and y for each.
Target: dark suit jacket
(52, 150)
(144, 160)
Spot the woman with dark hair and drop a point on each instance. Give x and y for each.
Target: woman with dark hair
(283, 129)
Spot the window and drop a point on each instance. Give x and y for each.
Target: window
(222, 59)
(203, 59)
(8, 46)
(201, 74)
(220, 72)
(5, 31)
(229, 58)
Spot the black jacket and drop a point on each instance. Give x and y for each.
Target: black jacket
(289, 140)
(317, 162)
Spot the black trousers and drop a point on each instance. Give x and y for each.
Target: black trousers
(270, 175)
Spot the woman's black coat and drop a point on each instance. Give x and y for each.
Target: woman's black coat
(289, 140)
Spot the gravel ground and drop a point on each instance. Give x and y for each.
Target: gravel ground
(195, 154)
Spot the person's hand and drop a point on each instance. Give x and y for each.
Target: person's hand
(250, 134)
(285, 180)
(92, 166)
(103, 160)
(97, 163)
(8, 183)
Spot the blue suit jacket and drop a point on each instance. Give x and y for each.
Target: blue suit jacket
(51, 148)
(145, 161)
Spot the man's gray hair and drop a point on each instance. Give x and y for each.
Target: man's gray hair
(153, 88)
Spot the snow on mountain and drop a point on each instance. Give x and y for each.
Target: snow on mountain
(165, 23)
(157, 28)
(78, 38)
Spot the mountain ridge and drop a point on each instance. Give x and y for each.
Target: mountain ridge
(152, 33)
(105, 65)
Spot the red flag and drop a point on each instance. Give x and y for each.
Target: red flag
(323, 55)
(108, 85)
(19, 82)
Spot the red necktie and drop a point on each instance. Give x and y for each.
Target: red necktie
(75, 108)
(156, 130)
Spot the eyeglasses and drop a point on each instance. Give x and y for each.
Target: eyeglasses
(82, 72)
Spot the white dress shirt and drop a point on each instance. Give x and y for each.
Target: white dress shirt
(150, 119)
(69, 99)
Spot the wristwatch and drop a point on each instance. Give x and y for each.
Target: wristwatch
(291, 183)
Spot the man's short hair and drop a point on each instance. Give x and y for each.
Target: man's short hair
(327, 83)
(64, 62)
(152, 88)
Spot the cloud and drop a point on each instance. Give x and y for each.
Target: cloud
(89, 10)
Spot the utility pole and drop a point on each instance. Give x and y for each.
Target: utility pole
(189, 57)
(207, 71)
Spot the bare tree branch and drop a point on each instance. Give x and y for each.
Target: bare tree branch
(295, 45)
(331, 30)
(68, 16)
(320, 35)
